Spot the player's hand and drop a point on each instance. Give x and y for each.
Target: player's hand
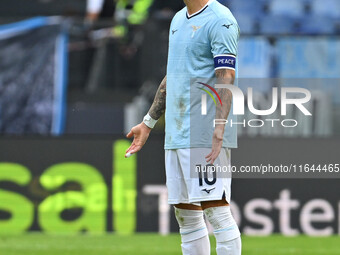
(217, 142)
(140, 134)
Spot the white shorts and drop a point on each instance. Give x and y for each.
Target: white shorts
(187, 185)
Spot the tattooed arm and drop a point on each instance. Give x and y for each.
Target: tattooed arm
(224, 76)
(140, 133)
(158, 106)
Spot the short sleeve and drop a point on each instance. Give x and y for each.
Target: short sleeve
(224, 35)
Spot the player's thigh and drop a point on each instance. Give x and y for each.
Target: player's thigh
(177, 192)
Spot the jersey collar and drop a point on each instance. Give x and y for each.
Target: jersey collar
(200, 11)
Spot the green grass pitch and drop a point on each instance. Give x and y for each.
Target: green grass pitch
(152, 244)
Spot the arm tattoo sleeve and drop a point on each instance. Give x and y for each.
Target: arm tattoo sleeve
(224, 76)
(158, 106)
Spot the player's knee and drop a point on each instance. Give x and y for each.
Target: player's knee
(191, 224)
(223, 223)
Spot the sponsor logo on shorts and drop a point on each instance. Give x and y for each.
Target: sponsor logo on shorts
(208, 190)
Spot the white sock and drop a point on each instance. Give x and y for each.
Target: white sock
(227, 234)
(232, 247)
(197, 247)
(194, 233)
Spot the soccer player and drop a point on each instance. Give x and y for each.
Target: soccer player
(203, 42)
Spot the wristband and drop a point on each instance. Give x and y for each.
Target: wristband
(149, 121)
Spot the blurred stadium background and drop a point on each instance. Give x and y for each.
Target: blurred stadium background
(75, 75)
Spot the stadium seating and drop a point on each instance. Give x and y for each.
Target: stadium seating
(287, 8)
(286, 16)
(224, 2)
(251, 7)
(246, 23)
(328, 8)
(306, 58)
(277, 25)
(317, 25)
(254, 56)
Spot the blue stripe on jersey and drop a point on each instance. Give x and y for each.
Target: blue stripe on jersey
(225, 61)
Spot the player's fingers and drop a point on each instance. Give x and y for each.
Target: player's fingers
(135, 149)
(208, 155)
(130, 134)
(131, 146)
(128, 150)
(127, 155)
(213, 157)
